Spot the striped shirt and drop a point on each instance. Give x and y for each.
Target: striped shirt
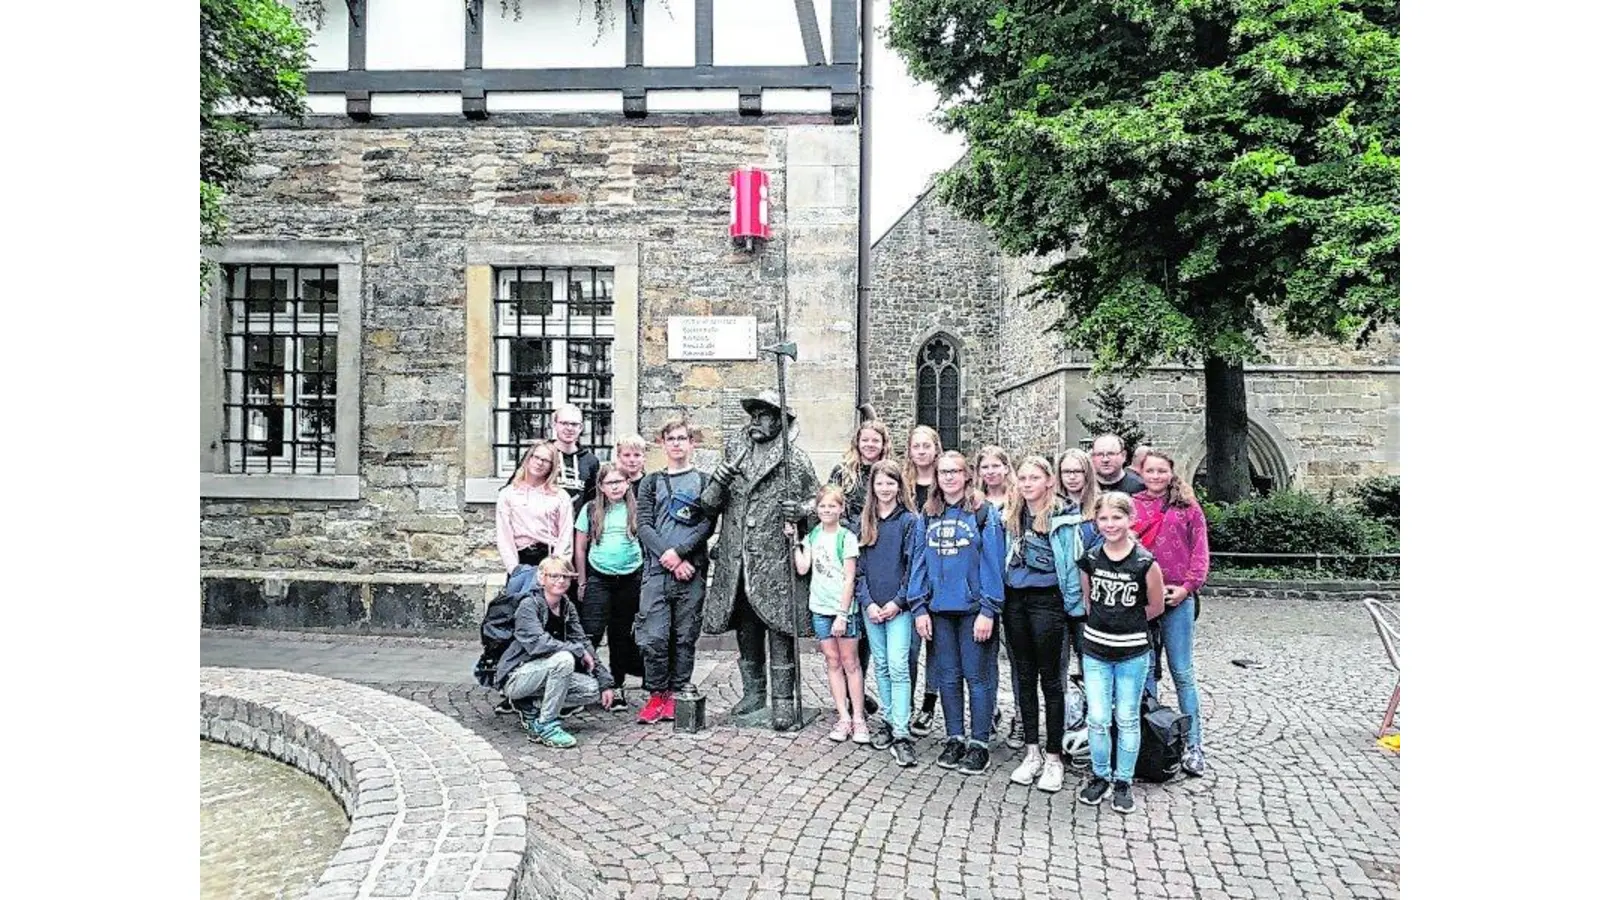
(1116, 628)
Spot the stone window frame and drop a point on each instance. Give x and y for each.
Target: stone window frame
(958, 347)
(482, 484)
(344, 483)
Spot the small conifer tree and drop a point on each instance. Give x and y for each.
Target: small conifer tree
(1111, 417)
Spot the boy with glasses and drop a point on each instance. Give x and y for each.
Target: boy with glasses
(550, 665)
(576, 473)
(674, 531)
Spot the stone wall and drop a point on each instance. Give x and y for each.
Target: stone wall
(416, 199)
(1325, 413)
(933, 272)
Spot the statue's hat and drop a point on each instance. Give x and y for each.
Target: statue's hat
(765, 400)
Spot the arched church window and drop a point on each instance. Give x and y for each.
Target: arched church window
(939, 389)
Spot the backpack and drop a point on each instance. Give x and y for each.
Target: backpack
(499, 625)
(1163, 738)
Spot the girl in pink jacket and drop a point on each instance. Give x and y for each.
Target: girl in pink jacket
(1171, 525)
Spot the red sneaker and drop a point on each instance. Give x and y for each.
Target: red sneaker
(651, 713)
(669, 707)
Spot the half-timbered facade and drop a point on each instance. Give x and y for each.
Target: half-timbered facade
(485, 216)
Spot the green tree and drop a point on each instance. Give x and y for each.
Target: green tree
(1207, 162)
(252, 62)
(1111, 416)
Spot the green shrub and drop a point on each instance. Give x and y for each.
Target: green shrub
(1297, 522)
(1379, 499)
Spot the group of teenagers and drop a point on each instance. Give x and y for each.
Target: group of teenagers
(1096, 557)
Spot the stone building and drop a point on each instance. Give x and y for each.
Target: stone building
(956, 346)
(486, 216)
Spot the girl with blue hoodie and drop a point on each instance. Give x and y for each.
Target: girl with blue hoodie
(887, 546)
(956, 595)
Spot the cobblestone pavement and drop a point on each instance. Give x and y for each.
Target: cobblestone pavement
(1298, 801)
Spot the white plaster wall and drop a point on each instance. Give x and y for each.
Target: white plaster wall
(797, 100)
(326, 104)
(557, 35)
(554, 101)
(330, 44)
(668, 32)
(420, 34)
(388, 104)
(763, 33)
(716, 99)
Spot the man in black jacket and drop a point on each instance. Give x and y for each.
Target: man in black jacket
(550, 665)
(578, 467)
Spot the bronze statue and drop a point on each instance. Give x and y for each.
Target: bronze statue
(754, 589)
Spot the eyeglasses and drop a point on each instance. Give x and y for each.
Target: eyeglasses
(1106, 453)
(612, 482)
(676, 439)
(562, 576)
(569, 424)
(952, 471)
(1072, 472)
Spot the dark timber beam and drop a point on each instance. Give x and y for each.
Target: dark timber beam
(846, 33)
(473, 103)
(810, 34)
(845, 23)
(423, 81)
(358, 101)
(633, 104)
(703, 15)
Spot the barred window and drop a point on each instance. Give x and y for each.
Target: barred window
(553, 335)
(939, 389)
(281, 334)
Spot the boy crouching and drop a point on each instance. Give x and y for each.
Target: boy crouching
(550, 665)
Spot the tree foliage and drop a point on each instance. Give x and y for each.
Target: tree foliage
(1210, 159)
(1189, 165)
(252, 62)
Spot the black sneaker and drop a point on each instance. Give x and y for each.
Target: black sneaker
(504, 707)
(1094, 790)
(921, 723)
(882, 736)
(977, 761)
(903, 754)
(1014, 736)
(1122, 797)
(955, 749)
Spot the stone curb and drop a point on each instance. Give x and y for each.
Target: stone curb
(434, 810)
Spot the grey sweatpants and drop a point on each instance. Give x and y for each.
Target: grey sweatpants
(556, 676)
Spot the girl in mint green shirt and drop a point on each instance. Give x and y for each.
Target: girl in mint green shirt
(608, 562)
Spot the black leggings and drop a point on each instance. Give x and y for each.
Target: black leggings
(610, 603)
(1035, 622)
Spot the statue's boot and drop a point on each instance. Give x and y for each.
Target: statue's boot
(754, 675)
(784, 713)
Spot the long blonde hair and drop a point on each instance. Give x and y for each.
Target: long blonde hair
(1009, 484)
(601, 505)
(869, 510)
(850, 474)
(1179, 492)
(910, 468)
(1053, 504)
(519, 476)
(974, 499)
(1091, 488)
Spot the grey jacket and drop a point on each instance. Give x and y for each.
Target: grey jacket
(532, 640)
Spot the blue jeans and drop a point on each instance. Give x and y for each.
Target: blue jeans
(1177, 634)
(960, 661)
(1113, 688)
(891, 662)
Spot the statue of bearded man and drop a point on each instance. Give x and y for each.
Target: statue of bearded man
(754, 589)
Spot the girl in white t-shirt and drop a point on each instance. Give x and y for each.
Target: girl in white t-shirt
(829, 553)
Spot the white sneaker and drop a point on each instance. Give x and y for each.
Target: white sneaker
(1050, 776)
(1029, 770)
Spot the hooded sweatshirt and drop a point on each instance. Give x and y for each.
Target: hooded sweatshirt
(1176, 536)
(957, 567)
(884, 570)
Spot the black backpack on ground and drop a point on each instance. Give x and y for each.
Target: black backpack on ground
(496, 631)
(1163, 738)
